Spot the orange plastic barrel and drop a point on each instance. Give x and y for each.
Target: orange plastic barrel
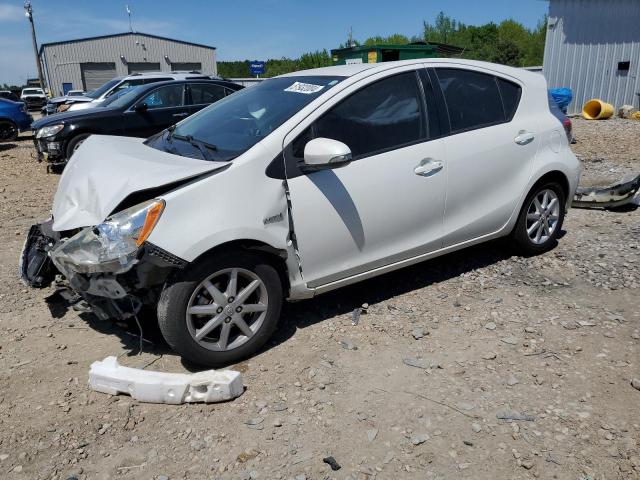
(597, 110)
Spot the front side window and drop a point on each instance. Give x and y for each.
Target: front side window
(164, 97)
(203, 93)
(473, 99)
(379, 117)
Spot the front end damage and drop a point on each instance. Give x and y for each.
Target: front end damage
(114, 281)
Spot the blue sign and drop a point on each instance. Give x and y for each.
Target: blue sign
(256, 67)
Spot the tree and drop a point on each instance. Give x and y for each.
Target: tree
(507, 53)
(441, 31)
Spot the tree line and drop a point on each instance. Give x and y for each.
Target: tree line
(508, 42)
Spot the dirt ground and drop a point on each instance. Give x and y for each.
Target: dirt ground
(556, 337)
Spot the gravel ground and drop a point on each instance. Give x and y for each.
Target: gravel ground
(414, 390)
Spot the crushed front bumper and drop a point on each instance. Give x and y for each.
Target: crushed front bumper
(118, 295)
(49, 150)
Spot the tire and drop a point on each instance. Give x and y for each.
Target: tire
(531, 238)
(8, 131)
(185, 291)
(74, 143)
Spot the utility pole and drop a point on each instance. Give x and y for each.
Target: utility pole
(129, 14)
(28, 12)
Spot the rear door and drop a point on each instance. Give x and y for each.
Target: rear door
(490, 150)
(159, 109)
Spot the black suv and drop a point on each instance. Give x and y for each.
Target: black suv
(139, 111)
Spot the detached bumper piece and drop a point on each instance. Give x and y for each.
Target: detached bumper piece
(616, 195)
(209, 386)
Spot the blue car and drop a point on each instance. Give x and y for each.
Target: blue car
(14, 119)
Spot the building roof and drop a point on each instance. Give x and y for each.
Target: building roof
(99, 37)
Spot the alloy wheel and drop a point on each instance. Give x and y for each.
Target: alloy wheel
(542, 216)
(226, 309)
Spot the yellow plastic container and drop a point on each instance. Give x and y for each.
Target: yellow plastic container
(597, 110)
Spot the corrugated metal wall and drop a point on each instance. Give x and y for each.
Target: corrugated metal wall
(585, 41)
(62, 61)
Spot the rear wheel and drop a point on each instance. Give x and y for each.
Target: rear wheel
(8, 131)
(75, 143)
(222, 309)
(540, 219)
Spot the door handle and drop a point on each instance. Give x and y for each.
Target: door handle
(183, 114)
(524, 137)
(428, 167)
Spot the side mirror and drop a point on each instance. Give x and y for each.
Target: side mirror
(141, 107)
(322, 153)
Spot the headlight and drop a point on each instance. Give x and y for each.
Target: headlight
(112, 246)
(49, 131)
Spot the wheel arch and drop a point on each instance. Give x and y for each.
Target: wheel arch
(277, 257)
(554, 176)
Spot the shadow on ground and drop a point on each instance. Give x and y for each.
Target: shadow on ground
(309, 312)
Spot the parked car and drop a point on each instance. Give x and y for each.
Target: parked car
(134, 112)
(33, 97)
(54, 103)
(8, 95)
(14, 119)
(300, 185)
(95, 98)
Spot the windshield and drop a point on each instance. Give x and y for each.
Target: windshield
(100, 90)
(121, 98)
(36, 91)
(234, 124)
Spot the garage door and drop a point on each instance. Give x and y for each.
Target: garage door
(186, 66)
(96, 74)
(139, 67)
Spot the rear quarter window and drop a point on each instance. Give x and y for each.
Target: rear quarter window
(510, 93)
(473, 99)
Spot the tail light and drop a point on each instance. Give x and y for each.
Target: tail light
(566, 123)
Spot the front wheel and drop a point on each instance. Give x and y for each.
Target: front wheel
(540, 219)
(74, 144)
(221, 309)
(8, 131)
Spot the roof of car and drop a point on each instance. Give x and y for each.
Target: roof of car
(150, 86)
(371, 68)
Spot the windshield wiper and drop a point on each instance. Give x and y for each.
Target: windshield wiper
(170, 132)
(199, 144)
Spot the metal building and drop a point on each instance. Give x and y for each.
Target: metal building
(593, 47)
(87, 63)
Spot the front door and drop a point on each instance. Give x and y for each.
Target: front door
(159, 109)
(385, 206)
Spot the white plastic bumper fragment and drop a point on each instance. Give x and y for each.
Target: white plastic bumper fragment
(108, 376)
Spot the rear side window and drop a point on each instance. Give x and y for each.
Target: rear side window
(510, 93)
(202, 93)
(473, 99)
(380, 117)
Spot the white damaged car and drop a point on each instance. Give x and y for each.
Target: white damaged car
(300, 185)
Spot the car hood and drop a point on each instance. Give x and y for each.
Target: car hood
(105, 170)
(68, 116)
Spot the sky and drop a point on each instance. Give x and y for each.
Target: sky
(246, 29)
